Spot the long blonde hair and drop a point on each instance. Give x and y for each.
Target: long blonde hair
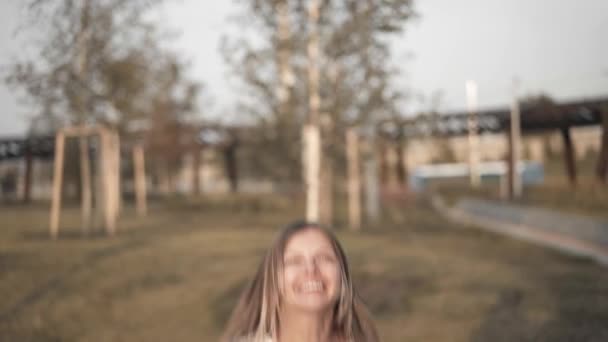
(256, 315)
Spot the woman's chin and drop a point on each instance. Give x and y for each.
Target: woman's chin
(312, 304)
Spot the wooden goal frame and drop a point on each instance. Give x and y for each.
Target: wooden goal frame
(109, 160)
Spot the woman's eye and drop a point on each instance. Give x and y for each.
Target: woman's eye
(292, 261)
(327, 258)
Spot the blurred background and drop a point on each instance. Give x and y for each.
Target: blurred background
(150, 150)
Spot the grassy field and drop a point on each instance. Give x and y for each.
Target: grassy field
(175, 276)
(588, 198)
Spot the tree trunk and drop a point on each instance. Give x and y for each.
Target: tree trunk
(117, 177)
(312, 147)
(382, 165)
(326, 195)
(392, 168)
(57, 184)
(162, 172)
(27, 181)
(354, 179)
(231, 166)
(196, 171)
(312, 133)
(372, 191)
(107, 180)
(139, 177)
(602, 161)
(510, 165)
(402, 164)
(569, 159)
(85, 187)
(286, 78)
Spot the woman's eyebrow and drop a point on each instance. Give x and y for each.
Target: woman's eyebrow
(292, 254)
(322, 250)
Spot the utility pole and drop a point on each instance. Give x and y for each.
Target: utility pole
(515, 186)
(473, 128)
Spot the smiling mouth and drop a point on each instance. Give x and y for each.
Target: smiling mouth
(311, 287)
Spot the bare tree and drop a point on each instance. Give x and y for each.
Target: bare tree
(102, 61)
(355, 80)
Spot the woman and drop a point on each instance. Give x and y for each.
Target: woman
(302, 291)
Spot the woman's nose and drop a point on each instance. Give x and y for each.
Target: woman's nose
(311, 266)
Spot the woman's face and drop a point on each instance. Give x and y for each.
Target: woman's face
(311, 273)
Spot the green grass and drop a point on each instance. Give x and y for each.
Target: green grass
(175, 276)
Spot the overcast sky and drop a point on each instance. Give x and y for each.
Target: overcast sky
(559, 47)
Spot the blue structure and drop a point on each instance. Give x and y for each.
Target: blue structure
(531, 172)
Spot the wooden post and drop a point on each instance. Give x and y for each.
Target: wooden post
(312, 147)
(474, 178)
(354, 181)
(57, 184)
(139, 180)
(85, 179)
(569, 160)
(602, 161)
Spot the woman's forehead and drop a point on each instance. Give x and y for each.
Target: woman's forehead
(307, 240)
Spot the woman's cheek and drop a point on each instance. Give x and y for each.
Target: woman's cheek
(331, 271)
(289, 276)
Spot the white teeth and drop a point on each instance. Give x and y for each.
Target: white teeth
(312, 286)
